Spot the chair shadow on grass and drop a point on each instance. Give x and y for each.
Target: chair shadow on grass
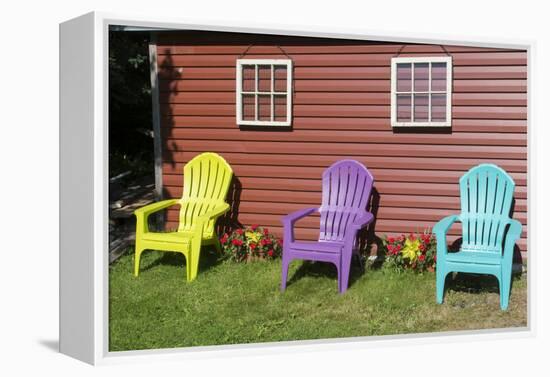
(476, 283)
(209, 258)
(324, 270)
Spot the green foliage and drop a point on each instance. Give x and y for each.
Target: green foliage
(251, 243)
(232, 303)
(415, 252)
(130, 108)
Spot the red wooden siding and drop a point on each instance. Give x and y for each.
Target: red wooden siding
(341, 109)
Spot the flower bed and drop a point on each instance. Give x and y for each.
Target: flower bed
(252, 243)
(415, 252)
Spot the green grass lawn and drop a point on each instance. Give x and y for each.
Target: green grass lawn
(240, 303)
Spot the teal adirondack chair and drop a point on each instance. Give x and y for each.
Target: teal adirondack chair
(488, 232)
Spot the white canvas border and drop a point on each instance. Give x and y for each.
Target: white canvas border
(100, 266)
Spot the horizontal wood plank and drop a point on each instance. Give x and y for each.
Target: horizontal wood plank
(307, 148)
(288, 184)
(347, 111)
(380, 175)
(368, 86)
(344, 98)
(343, 73)
(363, 137)
(381, 226)
(323, 161)
(356, 47)
(313, 198)
(346, 124)
(342, 59)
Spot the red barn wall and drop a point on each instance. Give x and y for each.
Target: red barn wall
(341, 109)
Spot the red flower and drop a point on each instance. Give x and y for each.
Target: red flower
(422, 247)
(270, 253)
(254, 226)
(391, 239)
(422, 258)
(239, 231)
(266, 231)
(398, 247)
(237, 242)
(391, 248)
(280, 242)
(412, 237)
(252, 246)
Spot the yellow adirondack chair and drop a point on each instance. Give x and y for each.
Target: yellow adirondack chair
(206, 181)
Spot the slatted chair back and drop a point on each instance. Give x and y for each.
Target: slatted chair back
(486, 193)
(347, 186)
(206, 181)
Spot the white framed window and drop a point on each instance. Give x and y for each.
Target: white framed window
(421, 91)
(264, 92)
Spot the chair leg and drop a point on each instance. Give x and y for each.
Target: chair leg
(343, 274)
(137, 257)
(339, 274)
(193, 260)
(505, 282)
(441, 274)
(284, 272)
(187, 265)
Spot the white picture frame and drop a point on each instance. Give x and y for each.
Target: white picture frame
(84, 193)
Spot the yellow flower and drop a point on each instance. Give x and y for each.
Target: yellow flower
(411, 249)
(253, 236)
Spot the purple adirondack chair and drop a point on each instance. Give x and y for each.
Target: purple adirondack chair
(347, 187)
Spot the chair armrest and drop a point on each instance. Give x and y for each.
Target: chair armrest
(440, 230)
(350, 233)
(362, 221)
(514, 232)
(215, 212)
(210, 215)
(143, 213)
(443, 225)
(289, 220)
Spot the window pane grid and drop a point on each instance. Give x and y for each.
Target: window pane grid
(272, 84)
(421, 101)
(270, 94)
(429, 95)
(256, 90)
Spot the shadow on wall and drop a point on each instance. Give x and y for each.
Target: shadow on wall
(171, 152)
(422, 130)
(367, 236)
(167, 84)
(230, 220)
